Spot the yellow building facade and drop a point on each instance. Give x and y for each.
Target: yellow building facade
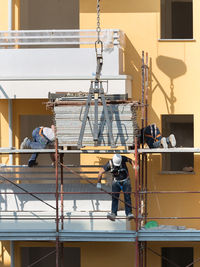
(173, 90)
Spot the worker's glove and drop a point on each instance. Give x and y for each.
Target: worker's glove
(99, 185)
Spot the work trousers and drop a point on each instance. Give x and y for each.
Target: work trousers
(117, 187)
(155, 144)
(39, 142)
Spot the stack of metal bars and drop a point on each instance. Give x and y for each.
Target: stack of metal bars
(68, 120)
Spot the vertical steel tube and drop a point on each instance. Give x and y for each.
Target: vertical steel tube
(136, 204)
(146, 123)
(12, 254)
(62, 208)
(10, 118)
(61, 191)
(141, 173)
(145, 159)
(146, 89)
(57, 209)
(143, 85)
(10, 123)
(10, 15)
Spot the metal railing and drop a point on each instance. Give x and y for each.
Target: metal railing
(109, 37)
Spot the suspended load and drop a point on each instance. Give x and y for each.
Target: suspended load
(69, 117)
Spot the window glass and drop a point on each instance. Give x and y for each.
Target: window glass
(182, 127)
(177, 256)
(176, 19)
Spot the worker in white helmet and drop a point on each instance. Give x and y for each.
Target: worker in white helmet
(121, 182)
(42, 137)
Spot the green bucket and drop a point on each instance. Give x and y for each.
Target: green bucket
(151, 224)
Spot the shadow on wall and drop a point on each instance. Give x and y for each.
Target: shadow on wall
(118, 6)
(172, 67)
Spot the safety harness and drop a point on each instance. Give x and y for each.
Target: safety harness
(42, 135)
(115, 170)
(153, 134)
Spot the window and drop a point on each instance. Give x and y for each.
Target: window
(182, 127)
(181, 256)
(176, 19)
(51, 14)
(30, 255)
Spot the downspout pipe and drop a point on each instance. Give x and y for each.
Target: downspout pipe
(10, 116)
(10, 122)
(10, 14)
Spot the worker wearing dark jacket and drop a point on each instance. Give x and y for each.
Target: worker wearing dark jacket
(152, 137)
(43, 137)
(121, 181)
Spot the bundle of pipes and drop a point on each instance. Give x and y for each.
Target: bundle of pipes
(122, 114)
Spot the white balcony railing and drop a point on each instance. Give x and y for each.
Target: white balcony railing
(59, 61)
(110, 37)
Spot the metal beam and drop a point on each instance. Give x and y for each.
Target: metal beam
(102, 151)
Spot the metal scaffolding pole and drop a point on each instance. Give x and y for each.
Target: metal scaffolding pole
(143, 158)
(145, 155)
(136, 204)
(62, 209)
(57, 208)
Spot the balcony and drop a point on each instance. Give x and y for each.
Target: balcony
(34, 63)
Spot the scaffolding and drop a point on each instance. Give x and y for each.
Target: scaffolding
(140, 238)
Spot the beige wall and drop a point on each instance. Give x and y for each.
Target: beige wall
(113, 253)
(100, 254)
(4, 15)
(174, 89)
(4, 253)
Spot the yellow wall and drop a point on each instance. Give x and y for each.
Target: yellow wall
(4, 15)
(155, 260)
(170, 61)
(4, 253)
(105, 253)
(102, 254)
(174, 89)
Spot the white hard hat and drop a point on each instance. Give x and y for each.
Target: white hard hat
(117, 159)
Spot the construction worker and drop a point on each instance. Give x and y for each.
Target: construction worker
(43, 137)
(121, 182)
(152, 137)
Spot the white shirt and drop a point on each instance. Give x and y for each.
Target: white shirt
(49, 133)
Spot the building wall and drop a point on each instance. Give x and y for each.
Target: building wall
(92, 252)
(4, 253)
(4, 15)
(105, 253)
(173, 64)
(173, 89)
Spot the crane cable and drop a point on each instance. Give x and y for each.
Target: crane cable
(98, 45)
(98, 29)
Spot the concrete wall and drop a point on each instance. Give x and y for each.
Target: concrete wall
(56, 62)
